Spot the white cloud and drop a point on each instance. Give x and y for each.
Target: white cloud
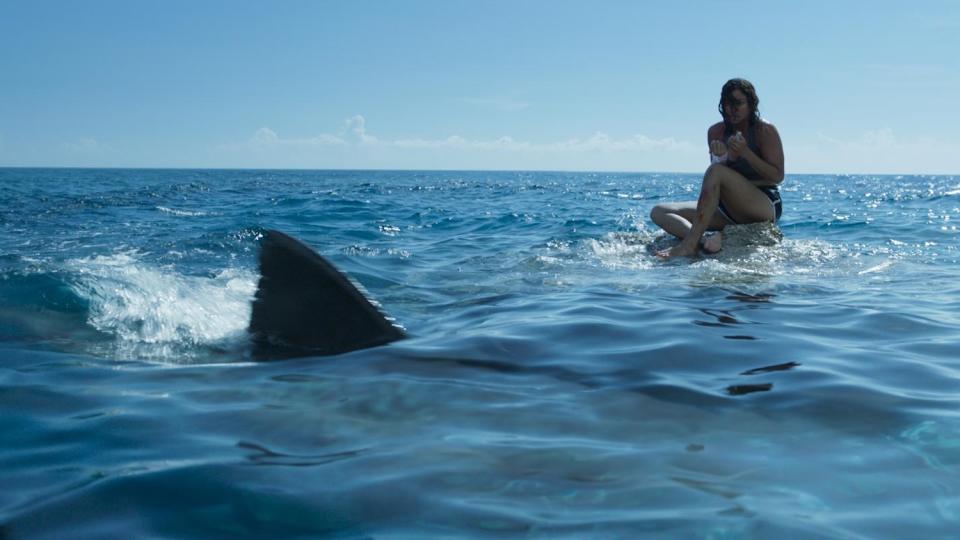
(637, 143)
(880, 150)
(355, 147)
(267, 139)
(599, 142)
(877, 139)
(354, 133)
(454, 141)
(356, 127)
(265, 136)
(458, 142)
(876, 151)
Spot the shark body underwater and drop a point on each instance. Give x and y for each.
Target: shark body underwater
(305, 306)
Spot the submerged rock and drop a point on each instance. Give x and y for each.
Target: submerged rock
(752, 234)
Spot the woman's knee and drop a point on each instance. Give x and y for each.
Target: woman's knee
(716, 170)
(661, 212)
(657, 212)
(711, 182)
(717, 176)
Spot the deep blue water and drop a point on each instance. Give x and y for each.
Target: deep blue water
(559, 382)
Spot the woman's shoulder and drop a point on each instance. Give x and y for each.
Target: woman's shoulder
(769, 142)
(715, 131)
(767, 132)
(764, 126)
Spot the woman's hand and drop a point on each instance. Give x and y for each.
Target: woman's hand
(737, 146)
(717, 148)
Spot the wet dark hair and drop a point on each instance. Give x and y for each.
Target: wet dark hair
(745, 86)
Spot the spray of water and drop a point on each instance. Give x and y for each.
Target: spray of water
(142, 304)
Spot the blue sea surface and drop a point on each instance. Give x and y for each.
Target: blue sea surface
(560, 381)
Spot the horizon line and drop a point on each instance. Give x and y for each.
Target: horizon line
(319, 169)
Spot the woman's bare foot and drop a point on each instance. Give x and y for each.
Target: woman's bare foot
(712, 244)
(682, 250)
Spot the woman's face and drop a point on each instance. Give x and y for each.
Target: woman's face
(736, 107)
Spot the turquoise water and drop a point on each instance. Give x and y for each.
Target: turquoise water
(559, 382)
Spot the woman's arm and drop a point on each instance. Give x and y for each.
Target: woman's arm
(770, 166)
(715, 142)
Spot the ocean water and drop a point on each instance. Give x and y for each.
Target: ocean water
(559, 380)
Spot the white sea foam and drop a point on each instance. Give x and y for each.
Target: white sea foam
(144, 304)
(749, 252)
(622, 250)
(878, 268)
(184, 213)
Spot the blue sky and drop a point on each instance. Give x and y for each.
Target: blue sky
(853, 87)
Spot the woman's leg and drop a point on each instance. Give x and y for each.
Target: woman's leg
(743, 201)
(675, 218)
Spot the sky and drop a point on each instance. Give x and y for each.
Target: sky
(853, 87)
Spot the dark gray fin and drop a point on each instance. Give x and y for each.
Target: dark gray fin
(304, 306)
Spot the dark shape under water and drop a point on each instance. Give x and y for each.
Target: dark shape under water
(304, 306)
(742, 389)
(750, 298)
(776, 367)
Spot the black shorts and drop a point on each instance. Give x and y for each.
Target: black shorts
(771, 192)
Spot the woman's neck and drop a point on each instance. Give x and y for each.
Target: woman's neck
(741, 126)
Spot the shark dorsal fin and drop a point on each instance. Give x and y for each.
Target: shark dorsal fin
(305, 305)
